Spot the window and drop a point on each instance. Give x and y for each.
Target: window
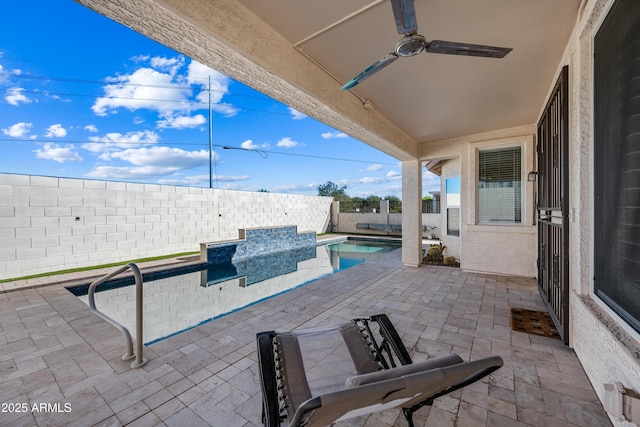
(452, 188)
(500, 186)
(617, 161)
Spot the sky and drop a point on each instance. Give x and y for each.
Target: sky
(82, 96)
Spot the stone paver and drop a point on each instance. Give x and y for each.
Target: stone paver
(55, 352)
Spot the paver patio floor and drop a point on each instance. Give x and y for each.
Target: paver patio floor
(55, 351)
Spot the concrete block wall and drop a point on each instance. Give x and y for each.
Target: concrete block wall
(49, 223)
(346, 222)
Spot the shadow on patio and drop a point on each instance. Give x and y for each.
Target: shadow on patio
(55, 351)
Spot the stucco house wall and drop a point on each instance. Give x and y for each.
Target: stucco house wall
(495, 249)
(450, 169)
(49, 224)
(607, 347)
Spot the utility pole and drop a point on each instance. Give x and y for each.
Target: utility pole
(210, 140)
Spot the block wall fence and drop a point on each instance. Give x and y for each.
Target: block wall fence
(49, 224)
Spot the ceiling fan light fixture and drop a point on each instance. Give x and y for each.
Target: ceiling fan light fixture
(411, 44)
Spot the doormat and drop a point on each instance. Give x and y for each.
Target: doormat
(533, 322)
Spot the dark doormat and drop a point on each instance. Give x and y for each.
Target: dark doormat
(533, 322)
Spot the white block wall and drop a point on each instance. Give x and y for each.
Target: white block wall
(49, 223)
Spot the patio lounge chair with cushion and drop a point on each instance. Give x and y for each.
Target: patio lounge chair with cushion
(315, 377)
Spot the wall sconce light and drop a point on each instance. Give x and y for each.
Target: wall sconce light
(531, 177)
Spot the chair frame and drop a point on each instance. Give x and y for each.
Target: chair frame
(388, 350)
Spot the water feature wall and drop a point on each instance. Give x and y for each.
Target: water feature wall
(254, 242)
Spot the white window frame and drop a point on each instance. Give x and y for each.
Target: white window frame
(523, 163)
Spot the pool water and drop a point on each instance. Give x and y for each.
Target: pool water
(179, 302)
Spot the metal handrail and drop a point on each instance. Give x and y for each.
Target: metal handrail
(140, 361)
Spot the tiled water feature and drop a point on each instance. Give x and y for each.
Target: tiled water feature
(254, 242)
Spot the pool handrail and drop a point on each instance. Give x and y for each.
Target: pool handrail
(140, 361)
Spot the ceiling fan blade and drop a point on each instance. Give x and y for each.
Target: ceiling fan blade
(370, 70)
(405, 13)
(466, 49)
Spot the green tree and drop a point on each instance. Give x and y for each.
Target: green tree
(373, 199)
(358, 203)
(331, 189)
(395, 203)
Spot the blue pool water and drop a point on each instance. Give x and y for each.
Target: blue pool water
(177, 301)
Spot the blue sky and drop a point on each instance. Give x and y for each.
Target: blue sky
(85, 97)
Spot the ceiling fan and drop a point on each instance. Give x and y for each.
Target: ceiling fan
(413, 43)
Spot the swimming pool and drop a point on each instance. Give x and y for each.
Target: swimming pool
(182, 300)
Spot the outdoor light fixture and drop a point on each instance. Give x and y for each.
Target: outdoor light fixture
(532, 176)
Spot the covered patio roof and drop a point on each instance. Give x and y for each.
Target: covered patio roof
(302, 52)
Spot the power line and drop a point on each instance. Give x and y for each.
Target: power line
(169, 144)
(126, 83)
(186, 103)
(76, 80)
(83, 141)
(281, 153)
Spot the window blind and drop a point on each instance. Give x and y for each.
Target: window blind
(500, 186)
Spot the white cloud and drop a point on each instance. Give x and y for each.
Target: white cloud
(56, 131)
(182, 122)
(232, 178)
(169, 88)
(297, 115)
(91, 128)
(249, 145)
(17, 130)
(170, 65)
(199, 74)
(149, 162)
(336, 134)
(55, 152)
(114, 140)
(389, 177)
(287, 142)
(5, 74)
(375, 168)
(298, 189)
(140, 58)
(198, 180)
(15, 96)
(163, 157)
(145, 88)
(431, 181)
(372, 180)
(126, 172)
(225, 109)
(55, 96)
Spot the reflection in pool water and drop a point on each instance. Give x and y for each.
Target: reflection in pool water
(174, 304)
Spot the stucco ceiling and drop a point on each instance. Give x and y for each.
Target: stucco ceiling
(300, 52)
(433, 96)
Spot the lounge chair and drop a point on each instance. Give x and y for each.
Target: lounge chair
(315, 377)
